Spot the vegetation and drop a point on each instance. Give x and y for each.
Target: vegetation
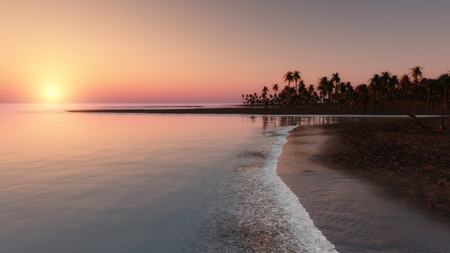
(383, 91)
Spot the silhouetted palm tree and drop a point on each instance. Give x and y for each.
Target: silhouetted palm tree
(385, 78)
(312, 95)
(392, 88)
(350, 95)
(339, 94)
(335, 80)
(416, 73)
(302, 92)
(275, 88)
(296, 77)
(444, 81)
(374, 89)
(289, 77)
(322, 87)
(384, 90)
(362, 92)
(264, 96)
(429, 85)
(405, 87)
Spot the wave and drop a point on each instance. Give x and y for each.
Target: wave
(247, 208)
(309, 237)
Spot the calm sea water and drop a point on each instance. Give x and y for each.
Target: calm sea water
(78, 182)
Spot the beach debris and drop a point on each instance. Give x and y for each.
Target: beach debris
(441, 127)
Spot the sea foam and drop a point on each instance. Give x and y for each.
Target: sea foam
(248, 208)
(309, 237)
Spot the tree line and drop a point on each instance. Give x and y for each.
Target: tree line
(383, 91)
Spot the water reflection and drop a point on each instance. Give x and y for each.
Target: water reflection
(309, 120)
(113, 182)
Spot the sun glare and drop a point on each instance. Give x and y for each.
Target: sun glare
(52, 94)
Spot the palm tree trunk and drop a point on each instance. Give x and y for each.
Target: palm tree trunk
(401, 98)
(445, 97)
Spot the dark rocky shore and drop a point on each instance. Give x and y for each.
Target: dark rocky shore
(411, 164)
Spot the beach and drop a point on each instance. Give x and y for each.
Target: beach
(401, 157)
(370, 184)
(382, 207)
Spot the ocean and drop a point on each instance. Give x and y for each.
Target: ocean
(78, 182)
(100, 182)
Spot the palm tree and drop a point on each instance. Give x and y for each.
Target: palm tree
(275, 97)
(322, 87)
(264, 96)
(392, 88)
(302, 92)
(416, 73)
(275, 88)
(339, 94)
(385, 78)
(430, 85)
(312, 95)
(374, 89)
(363, 95)
(444, 80)
(289, 77)
(404, 86)
(335, 80)
(350, 95)
(296, 77)
(288, 96)
(252, 100)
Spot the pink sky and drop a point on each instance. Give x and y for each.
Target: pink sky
(208, 51)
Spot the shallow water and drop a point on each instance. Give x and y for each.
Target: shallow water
(115, 183)
(101, 182)
(74, 182)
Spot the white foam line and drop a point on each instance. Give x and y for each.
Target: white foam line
(309, 237)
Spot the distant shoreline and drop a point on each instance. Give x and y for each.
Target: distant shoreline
(269, 111)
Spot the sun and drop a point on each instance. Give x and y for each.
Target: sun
(52, 93)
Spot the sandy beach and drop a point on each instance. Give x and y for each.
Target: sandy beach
(366, 211)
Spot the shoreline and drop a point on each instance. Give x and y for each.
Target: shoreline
(353, 213)
(270, 111)
(406, 162)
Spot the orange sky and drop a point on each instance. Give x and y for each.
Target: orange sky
(208, 51)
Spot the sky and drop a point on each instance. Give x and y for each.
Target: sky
(200, 51)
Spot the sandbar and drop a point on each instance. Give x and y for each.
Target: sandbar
(316, 110)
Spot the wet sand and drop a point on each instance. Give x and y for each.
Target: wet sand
(355, 214)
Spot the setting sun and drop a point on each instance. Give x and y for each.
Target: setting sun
(52, 94)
